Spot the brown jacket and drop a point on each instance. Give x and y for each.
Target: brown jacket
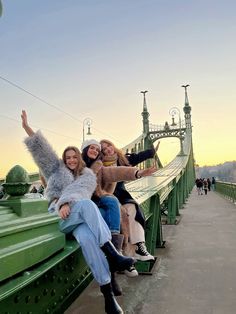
(108, 176)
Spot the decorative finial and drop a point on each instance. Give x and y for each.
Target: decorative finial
(144, 100)
(17, 182)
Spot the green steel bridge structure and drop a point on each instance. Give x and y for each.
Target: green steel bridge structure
(41, 270)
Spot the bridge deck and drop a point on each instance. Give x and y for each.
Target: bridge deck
(196, 273)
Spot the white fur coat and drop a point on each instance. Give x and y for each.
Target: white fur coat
(61, 183)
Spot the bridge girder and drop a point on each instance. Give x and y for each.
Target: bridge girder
(157, 135)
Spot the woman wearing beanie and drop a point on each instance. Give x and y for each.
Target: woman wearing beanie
(69, 187)
(112, 156)
(106, 202)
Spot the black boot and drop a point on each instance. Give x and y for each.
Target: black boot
(115, 286)
(116, 261)
(117, 239)
(111, 305)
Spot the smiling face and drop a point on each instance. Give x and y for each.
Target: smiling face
(107, 149)
(71, 159)
(93, 151)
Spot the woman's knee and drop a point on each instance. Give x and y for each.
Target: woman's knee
(85, 204)
(109, 200)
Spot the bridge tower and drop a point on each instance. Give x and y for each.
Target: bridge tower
(147, 142)
(187, 109)
(145, 115)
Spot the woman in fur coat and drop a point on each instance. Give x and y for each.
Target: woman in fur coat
(69, 188)
(112, 156)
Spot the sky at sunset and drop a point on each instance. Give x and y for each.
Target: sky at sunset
(92, 58)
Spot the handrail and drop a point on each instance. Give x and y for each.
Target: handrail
(227, 189)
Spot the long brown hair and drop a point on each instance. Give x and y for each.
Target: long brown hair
(122, 160)
(81, 164)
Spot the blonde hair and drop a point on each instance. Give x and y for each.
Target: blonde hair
(121, 158)
(81, 164)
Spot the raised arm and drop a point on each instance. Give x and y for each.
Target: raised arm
(41, 151)
(25, 124)
(136, 158)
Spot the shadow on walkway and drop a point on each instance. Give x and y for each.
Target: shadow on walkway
(197, 272)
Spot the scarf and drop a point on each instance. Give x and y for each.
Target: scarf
(110, 160)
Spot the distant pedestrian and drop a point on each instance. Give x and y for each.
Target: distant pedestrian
(209, 184)
(213, 183)
(199, 185)
(205, 186)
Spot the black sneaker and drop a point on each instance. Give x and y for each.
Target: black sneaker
(141, 252)
(131, 272)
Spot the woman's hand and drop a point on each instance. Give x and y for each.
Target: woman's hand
(146, 172)
(64, 211)
(25, 124)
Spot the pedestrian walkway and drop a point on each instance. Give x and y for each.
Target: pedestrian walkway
(197, 269)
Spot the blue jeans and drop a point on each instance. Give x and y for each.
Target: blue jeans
(109, 207)
(91, 231)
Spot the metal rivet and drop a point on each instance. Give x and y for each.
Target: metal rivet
(45, 291)
(53, 292)
(27, 299)
(53, 278)
(17, 299)
(60, 279)
(37, 298)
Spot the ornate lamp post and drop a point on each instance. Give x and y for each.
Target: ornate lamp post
(173, 111)
(88, 122)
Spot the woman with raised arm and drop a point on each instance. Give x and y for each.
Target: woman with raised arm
(112, 156)
(70, 186)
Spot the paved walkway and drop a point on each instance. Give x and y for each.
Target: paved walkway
(197, 270)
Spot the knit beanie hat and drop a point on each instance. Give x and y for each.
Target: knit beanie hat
(90, 142)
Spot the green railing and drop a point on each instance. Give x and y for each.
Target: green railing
(227, 189)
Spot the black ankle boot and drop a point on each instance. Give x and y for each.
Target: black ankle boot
(115, 286)
(116, 261)
(117, 239)
(111, 305)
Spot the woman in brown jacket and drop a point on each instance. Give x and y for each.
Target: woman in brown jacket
(112, 156)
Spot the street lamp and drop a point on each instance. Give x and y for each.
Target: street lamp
(88, 122)
(173, 112)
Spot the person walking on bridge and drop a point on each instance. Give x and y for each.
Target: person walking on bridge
(69, 188)
(205, 185)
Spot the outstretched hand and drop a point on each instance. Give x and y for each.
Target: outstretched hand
(25, 124)
(147, 172)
